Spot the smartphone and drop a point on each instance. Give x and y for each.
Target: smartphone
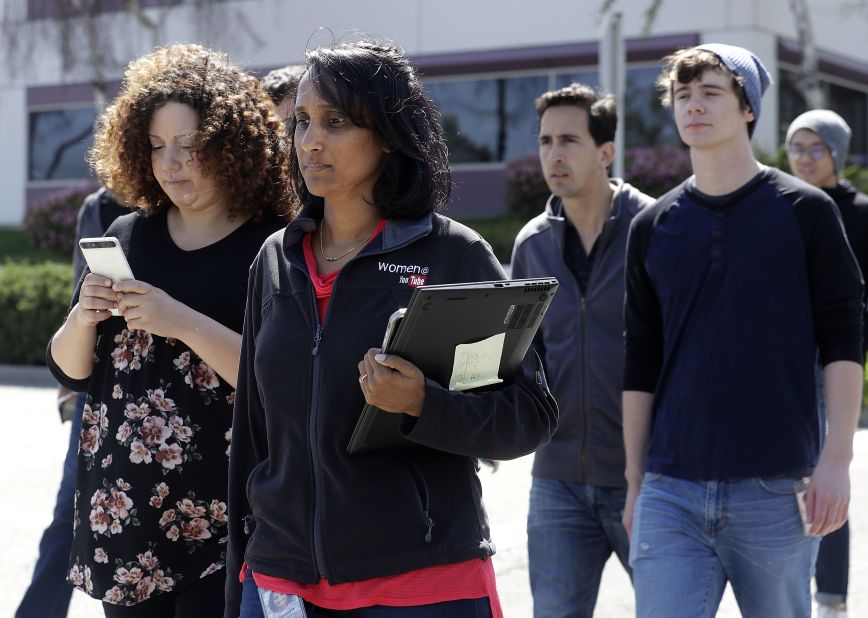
(801, 490)
(392, 328)
(105, 257)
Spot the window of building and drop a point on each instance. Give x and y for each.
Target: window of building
(850, 103)
(493, 119)
(589, 78)
(646, 121)
(59, 141)
(490, 119)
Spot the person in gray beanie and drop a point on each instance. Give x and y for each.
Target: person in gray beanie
(817, 145)
(734, 280)
(831, 134)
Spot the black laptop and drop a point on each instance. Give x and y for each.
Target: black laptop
(463, 336)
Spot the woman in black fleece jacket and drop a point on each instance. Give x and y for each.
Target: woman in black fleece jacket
(384, 532)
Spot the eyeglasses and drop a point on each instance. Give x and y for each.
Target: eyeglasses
(814, 151)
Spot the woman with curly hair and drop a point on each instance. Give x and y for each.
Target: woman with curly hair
(194, 146)
(386, 533)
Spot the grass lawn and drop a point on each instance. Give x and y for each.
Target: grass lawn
(14, 245)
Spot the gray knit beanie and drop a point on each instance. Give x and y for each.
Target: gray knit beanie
(832, 129)
(746, 65)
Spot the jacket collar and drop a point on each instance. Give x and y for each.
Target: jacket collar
(555, 207)
(558, 220)
(398, 232)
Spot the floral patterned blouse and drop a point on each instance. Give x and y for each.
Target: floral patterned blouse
(150, 499)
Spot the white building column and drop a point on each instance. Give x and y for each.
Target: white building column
(13, 160)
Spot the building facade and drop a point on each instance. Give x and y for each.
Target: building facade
(483, 62)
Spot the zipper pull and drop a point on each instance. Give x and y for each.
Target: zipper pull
(247, 519)
(430, 523)
(316, 340)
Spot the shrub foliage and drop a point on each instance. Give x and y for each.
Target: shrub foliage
(526, 189)
(654, 170)
(33, 303)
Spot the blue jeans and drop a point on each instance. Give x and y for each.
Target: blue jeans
(251, 607)
(49, 593)
(572, 529)
(691, 537)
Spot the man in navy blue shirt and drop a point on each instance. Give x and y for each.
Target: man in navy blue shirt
(736, 280)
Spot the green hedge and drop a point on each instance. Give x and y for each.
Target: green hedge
(33, 303)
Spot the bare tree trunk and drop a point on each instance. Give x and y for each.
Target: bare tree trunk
(96, 53)
(76, 29)
(815, 97)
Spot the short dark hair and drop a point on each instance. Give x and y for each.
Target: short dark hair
(375, 86)
(281, 84)
(689, 64)
(602, 109)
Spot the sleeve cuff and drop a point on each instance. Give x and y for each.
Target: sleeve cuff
(78, 386)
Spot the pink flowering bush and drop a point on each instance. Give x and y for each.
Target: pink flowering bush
(526, 189)
(49, 222)
(654, 170)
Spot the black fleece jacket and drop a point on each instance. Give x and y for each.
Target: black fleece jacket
(854, 213)
(312, 510)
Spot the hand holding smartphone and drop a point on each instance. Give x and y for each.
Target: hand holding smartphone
(105, 257)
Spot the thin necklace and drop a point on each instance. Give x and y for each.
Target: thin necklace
(342, 255)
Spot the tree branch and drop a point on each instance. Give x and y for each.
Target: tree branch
(135, 10)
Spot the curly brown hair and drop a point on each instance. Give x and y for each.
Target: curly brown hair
(239, 141)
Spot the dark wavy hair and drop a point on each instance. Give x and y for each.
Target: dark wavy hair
(602, 109)
(281, 84)
(375, 86)
(239, 140)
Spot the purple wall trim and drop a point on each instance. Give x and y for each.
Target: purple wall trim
(457, 63)
(833, 64)
(653, 48)
(66, 93)
(546, 56)
(478, 193)
(47, 9)
(515, 58)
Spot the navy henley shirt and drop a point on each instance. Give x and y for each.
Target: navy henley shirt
(728, 301)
